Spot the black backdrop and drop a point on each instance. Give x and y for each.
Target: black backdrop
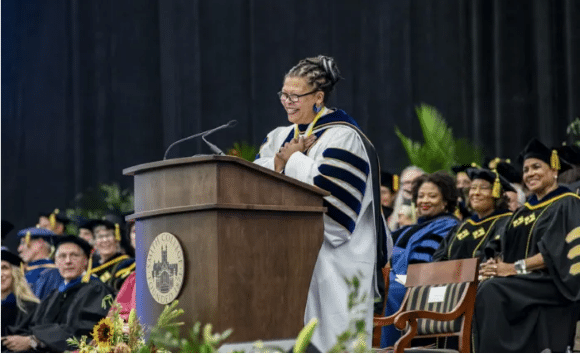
(92, 87)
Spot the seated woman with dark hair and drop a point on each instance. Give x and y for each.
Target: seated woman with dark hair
(530, 301)
(487, 199)
(436, 197)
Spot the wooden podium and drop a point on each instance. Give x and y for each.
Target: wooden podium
(250, 239)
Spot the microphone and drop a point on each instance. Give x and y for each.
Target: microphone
(214, 148)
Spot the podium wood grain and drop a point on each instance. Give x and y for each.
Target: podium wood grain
(250, 239)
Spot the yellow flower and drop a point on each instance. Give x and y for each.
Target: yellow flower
(103, 332)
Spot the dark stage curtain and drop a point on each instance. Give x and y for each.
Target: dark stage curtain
(92, 87)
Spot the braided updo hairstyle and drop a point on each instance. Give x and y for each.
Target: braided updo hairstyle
(320, 72)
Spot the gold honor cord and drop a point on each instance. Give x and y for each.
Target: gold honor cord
(311, 127)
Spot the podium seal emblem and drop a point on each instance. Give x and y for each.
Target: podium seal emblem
(165, 268)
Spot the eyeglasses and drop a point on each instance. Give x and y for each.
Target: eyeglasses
(64, 256)
(293, 98)
(481, 188)
(104, 237)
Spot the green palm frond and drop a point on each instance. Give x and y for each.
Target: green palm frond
(440, 150)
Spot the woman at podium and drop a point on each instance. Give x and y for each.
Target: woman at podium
(324, 147)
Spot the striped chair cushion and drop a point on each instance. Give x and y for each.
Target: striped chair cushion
(419, 300)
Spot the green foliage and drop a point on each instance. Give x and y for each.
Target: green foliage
(243, 150)
(94, 204)
(573, 132)
(440, 150)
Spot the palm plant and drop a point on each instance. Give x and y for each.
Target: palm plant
(440, 150)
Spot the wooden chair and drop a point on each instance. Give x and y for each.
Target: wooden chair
(377, 329)
(439, 302)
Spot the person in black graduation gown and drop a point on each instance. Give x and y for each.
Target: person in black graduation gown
(487, 199)
(389, 189)
(18, 301)
(114, 266)
(530, 300)
(72, 310)
(462, 182)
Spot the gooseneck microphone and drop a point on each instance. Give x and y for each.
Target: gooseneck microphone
(214, 148)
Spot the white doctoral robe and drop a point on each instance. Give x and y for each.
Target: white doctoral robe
(338, 163)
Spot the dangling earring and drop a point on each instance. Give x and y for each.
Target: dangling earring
(316, 109)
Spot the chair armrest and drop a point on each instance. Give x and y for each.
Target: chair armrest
(380, 321)
(403, 318)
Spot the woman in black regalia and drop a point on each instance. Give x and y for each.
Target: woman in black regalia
(490, 213)
(18, 301)
(530, 300)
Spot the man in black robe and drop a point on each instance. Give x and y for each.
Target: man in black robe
(72, 310)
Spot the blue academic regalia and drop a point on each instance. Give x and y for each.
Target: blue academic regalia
(43, 277)
(415, 244)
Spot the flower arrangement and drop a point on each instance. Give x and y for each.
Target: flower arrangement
(113, 335)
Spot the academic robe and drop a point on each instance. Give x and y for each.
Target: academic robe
(12, 315)
(468, 239)
(336, 162)
(539, 310)
(114, 271)
(72, 310)
(415, 244)
(43, 277)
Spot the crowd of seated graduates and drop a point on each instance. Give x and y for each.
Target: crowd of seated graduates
(54, 283)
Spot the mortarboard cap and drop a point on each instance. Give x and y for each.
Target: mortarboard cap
(509, 172)
(56, 216)
(462, 168)
(492, 177)
(390, 181)
(109, 226)
(36, 232)
(535, 149)
(570, 153)
(84, 245)
(10, 257)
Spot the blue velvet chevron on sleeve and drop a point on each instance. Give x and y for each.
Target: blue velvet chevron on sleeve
(342, 176)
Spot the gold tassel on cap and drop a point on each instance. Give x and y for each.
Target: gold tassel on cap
(87, 275)
(52, 218)
(22, 268)
(395, 183)
(554, 160)
(27, 239)
(493, 163)
(496, 191)
(117, 233)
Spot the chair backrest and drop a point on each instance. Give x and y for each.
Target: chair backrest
(446, 288)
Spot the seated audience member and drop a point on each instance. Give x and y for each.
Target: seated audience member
(462, 183)
(18, 302)
(113, 266)
(571, 178)
(86, 230)
(404, 195)
(407, 215)
(55, 222)
(389, 188)
(35, 250)
(72, 310)
(487, 199)
(435, 196)
(530, 300)
(514, 176)
(127, 295)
